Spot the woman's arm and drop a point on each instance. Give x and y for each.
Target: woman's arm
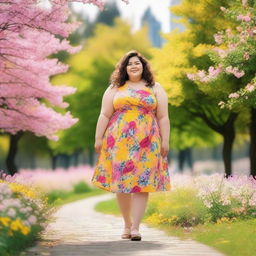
(106, 112)
(163, 118)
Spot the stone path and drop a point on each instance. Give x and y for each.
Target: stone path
(80, 231)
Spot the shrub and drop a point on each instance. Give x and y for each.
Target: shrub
(24, 213)
(81, 187)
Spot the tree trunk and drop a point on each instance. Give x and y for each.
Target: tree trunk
(226, 129)
(76, 157)
(54, 161)
(252, 151)
(229, 138)
(13, 148)
(66, 160)
(181, 160)
(228, 133)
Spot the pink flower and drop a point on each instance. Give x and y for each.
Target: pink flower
(191, 76)
(11, 212)
(110, 141)
(213, 72)
(234, 95)
(245, 18)
(135, 189)
(250, 87)
(101, 179)
(115, 175)
(129, 166)
(132, 125)
(222, 53)
(32, 219)
(235, 71)
(239, 74)
(223, 9)
(145, 111)
(143, 92)
(145, 142)
(201, 74)
(218, 38)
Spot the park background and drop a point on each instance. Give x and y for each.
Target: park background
(149, 27)
(202, 52)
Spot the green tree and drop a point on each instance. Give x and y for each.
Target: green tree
(234, 58)
(185, 52)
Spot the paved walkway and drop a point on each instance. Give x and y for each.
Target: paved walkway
(80, 231)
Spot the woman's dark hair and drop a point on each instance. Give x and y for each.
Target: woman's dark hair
(120, 76)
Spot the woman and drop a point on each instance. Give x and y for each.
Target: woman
(132, 140)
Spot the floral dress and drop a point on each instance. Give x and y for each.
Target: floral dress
(130, 159)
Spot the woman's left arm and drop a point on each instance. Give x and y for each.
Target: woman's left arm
(163, 118)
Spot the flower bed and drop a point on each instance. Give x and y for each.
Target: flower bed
(24, 213)
(204, 199)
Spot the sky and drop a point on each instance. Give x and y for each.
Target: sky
(133, 11)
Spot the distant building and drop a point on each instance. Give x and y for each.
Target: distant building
(175, 25)
(154, 27)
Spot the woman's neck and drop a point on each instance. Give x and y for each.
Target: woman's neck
(135, 79)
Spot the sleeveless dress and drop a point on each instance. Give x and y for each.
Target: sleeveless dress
(130, 159)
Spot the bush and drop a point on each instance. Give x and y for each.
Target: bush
(180, 207)
(81, 187)
(202, 199)
(24, 213)
(56, 194)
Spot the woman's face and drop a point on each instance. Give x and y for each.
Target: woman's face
(134, 67)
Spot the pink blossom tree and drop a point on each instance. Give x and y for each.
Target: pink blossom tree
(234, 58)
(29, 35)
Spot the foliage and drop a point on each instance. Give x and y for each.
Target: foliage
(81, 187)
(24, 213)
(204, 199)
(234, 56)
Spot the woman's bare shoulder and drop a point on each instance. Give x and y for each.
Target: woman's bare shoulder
(157, 87)
(111, 89)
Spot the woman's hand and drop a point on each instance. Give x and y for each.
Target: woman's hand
(98, 145)
(164, 148)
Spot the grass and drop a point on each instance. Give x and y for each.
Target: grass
(68, 197)
(233, 239)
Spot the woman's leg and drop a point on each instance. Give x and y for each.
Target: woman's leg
(139, 204)
(124, 202)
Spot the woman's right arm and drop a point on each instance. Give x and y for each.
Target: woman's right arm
(106, 112)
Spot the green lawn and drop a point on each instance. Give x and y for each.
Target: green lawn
(69, 197)
(234, 239)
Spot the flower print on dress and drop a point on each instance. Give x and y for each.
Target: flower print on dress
(110, 141)
(129, 129)
(101, 179)
(136, 189)
(143, 92)
(130, 159)
(129, 166)
(144, 143)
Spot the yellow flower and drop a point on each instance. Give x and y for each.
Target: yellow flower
(25, 230)
(5, 221)
(19, 188)
(223, 220)
(16, 225)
